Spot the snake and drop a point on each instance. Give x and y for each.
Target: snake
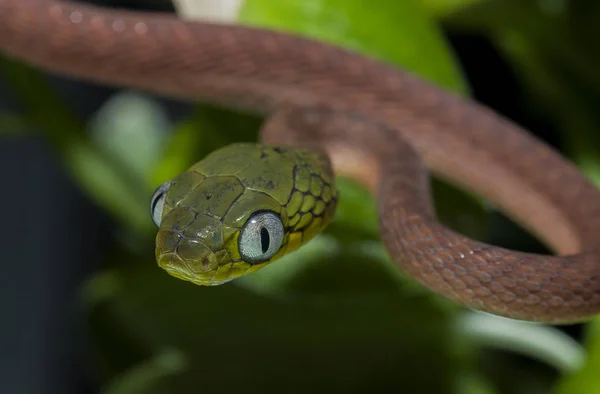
(328, 112)
(240, 208)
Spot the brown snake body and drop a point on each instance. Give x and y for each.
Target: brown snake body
(368, 116)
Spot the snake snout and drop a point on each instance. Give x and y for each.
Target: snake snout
(186, 258)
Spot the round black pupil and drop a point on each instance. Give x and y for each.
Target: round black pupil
(264, 239)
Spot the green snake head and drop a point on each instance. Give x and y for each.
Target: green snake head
(239, 209)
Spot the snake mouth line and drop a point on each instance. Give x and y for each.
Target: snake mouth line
(179, 268)
(190, 278)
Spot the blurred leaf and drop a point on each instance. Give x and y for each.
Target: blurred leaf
(444, 8)
(417, 43)
(105, 181)
(13, 125)
(541, 342)
(208, 129)
(102, 287)
(225, 11)
(145, 377)
(129, 120)
(586, 380)
(471, 383)
(356, 212)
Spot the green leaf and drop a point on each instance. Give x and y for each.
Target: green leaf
(542, 342)
(445, 8)
(129, 120)
(106, 181)
(586, 380)
(397, 32)
(145, 377)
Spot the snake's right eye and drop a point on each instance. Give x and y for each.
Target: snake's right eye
(261, 237)
(157, 202)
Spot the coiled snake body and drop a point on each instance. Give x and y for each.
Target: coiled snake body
(375, 123)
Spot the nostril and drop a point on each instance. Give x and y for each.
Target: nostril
(206, 264)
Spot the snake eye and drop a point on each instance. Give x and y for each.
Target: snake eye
(158, 202)
(261, 237)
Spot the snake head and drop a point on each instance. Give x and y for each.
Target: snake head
(236, 211)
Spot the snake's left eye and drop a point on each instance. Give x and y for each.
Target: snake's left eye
(261, 237)
(157, 202)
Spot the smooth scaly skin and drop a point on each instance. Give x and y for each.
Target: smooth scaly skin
(367, 116)
(207, 206)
